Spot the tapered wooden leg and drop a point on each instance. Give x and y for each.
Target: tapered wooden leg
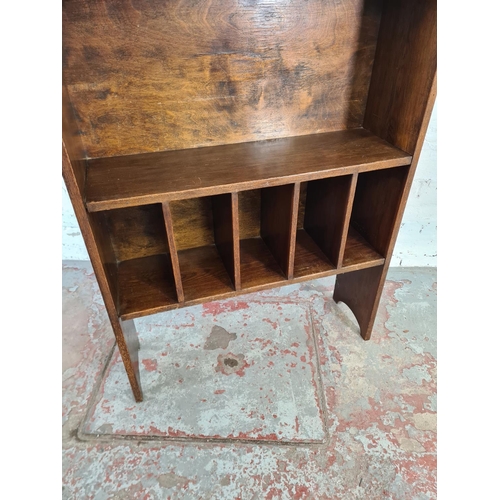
(361, 291)
(128, 344)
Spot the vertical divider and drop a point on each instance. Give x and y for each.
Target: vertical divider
(227, 235)
(347, 220)
(279, 214)
(167, 216)
(236, 240)
(328, 201)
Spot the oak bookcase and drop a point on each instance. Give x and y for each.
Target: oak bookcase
(218, 147)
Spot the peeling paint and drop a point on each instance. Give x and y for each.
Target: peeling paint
(372, 435)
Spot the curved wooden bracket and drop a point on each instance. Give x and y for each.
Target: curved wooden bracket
(361, 292)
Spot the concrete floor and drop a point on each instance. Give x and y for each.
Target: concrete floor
(270, 395)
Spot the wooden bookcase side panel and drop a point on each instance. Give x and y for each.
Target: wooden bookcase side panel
(403, 72)
(400, 100)
(73, 169)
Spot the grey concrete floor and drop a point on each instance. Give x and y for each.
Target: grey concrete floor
(271, 395)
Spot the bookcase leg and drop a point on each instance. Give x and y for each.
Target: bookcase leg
(361, 291)
(128, 344)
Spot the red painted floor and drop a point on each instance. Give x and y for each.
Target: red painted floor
(274, 395)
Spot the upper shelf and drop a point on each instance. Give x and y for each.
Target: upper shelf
(124, 181)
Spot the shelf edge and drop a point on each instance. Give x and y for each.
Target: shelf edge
(148, 199)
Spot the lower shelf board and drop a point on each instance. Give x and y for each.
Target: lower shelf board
(203, 273)
(309, 259)
(258, 266)
(146, 285)
(359, 253)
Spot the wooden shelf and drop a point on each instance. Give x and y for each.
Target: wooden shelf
(309, 259)
(203, 273)
(123, 181)
(358, 252)
(146, 286)
(258, 266)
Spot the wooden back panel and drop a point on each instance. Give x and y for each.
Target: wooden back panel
(135, 231)
(193, 222)
(150, 75)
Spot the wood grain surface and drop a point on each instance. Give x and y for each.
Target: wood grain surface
(193, 222)
(226, 234)
(174, 259)
(325, 214)
(376, 204)
(402, 95)
(146, 285)
(136, 231)
(203, 273)
(149, 76)
(279, 208)
(359, 251)
(315, 113)
(258, 265)
(157, 177)
(404, 70)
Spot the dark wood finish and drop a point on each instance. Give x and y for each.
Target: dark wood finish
(405, 80)
(359, 251)
(203, 273)
(126, 337)
(156, 177)
(130, 355)
(359, 290)
(226, 234)
(344, 237)
(362, 290)
(376, 203)
(258, 265)
(169, 223)
(249, 205)
(136, 231)
(151, 76)
(193, 223)
(104, 244)
(403, 72)
(302, 205)
(309, 259)
(259, 271)
(174, 260)
(325, 214)
(146, 285)
(279, 211)
(311, 262)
